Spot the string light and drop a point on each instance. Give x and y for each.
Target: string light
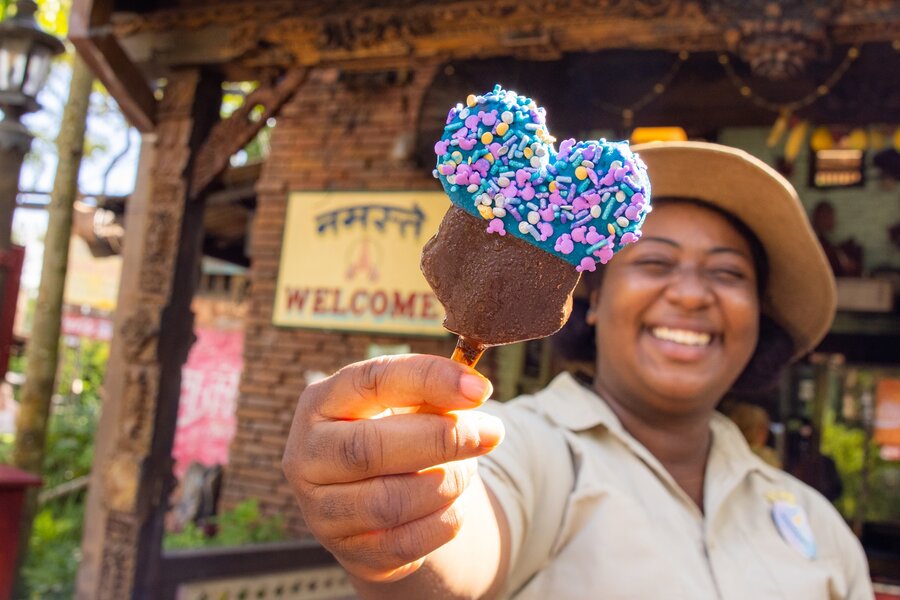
(787, 108)
(658, 89)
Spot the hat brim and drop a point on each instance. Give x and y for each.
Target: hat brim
(800, 294)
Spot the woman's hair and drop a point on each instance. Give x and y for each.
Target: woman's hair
(774, 348)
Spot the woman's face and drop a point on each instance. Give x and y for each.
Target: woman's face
(677, 315)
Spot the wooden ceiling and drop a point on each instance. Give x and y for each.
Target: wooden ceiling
(590, 42)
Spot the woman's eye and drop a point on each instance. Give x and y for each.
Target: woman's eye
(654, 264)
(729, 275)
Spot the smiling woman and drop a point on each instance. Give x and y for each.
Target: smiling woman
(774, 347)
(633, 486)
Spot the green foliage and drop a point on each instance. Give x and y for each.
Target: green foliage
(76, 410)
(53, 16)
(846, 445)
(243, 525)
(54, 551)
(6, 448)
(234, 94)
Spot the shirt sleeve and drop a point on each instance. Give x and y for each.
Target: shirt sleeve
(855, 563)
(855, 582)
(531, 474)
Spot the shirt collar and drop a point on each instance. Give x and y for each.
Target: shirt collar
(577, 407)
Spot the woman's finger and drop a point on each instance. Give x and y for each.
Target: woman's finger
(346, 509)
(369, 388)
(382, 555)
(346, 451)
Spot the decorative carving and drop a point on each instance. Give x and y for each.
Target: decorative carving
(162, 231)
(117, 570)
(777, 39)
(231, 134)
(363, 31)
(138, 409)
(139, 333)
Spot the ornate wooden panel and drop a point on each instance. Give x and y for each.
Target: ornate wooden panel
(776, 38)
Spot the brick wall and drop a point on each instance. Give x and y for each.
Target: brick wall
(334, 135)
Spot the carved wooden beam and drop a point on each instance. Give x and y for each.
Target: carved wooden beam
(94, 40)
(230, 135)
(341, 33)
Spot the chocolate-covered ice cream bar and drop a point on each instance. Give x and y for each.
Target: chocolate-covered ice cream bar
(526, 219)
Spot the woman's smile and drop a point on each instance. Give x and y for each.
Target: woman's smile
(687, 297)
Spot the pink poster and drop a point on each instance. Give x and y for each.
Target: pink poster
(209, 391)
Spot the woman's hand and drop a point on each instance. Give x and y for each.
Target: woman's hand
(379, 484)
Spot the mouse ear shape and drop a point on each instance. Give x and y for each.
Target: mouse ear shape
(583, 203)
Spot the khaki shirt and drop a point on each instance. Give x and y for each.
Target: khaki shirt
(592, 514)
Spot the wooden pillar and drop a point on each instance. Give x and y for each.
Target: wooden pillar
(132, 473)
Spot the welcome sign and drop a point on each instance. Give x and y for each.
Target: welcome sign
(350, 261)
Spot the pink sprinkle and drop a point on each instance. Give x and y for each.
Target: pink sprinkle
(593, 198)
(495, 148)
(547, 214)
(527, 193)
(556, 199)
(629, 238)
(631, 213)
(482, 166)
(592, 236)
(496, 226)
(475, 178)
(440, 148)
(546, 230)
(488, 118)
(447, 169)
(510, 191)
(472, 122)
(637, 198)
(609, 178)
(587, 264)
(522, 176)
(604, 254)
(564, 244)
(578, 234)
(467, 143)
(462, 174)
(588, 152)
(580, 204)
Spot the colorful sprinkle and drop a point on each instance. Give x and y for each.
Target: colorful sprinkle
(496, 159)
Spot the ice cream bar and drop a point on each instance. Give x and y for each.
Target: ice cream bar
(526, 221)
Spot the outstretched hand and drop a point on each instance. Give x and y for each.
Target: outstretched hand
(379, 455)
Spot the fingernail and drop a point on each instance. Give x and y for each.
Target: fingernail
(490, 430)
(475, 387)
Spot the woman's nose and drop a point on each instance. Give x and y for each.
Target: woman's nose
(689, 289)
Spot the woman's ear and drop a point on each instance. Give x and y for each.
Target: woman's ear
(591, 316)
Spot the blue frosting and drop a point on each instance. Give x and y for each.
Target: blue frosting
(496, 160)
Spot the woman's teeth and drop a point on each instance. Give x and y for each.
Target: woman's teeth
(681, 336)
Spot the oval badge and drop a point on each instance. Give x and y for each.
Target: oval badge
(793, 525)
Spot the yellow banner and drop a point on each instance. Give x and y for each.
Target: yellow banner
(350, 261)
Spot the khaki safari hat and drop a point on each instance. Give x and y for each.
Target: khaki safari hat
(800, 294)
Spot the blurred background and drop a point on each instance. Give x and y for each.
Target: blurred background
(207, 205)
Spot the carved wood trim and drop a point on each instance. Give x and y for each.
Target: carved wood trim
(334, 33)
(90, 34)
(231, 134)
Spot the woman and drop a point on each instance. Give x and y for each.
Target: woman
(632, 488)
